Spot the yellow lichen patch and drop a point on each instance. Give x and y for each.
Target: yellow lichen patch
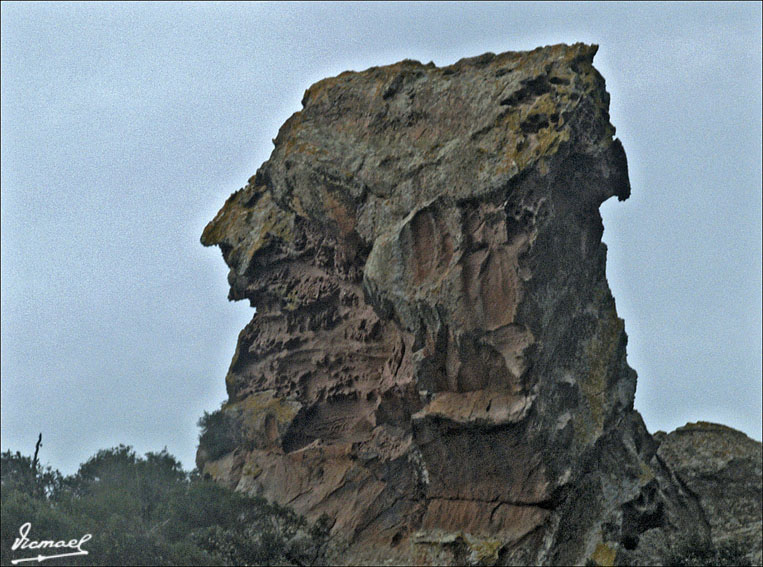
(252, 470)
(604, 555)
(247, 229)
(548, 141)
(231, 215)
(296, 205)
(534, 146)
(646, 475)
(544, 104)
(599, 353)
(262, 417)
(317, 92)
(255, 407)
(483, 551)
(268, 219)
(436, 547)
(321, 91)
(296, 145)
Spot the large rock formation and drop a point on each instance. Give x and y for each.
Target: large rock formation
(435, 360)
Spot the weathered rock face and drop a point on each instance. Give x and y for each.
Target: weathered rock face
(723, 468)
(436, 361)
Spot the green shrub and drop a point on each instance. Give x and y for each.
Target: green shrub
(16, 472)
(220, 433)
(148, 511)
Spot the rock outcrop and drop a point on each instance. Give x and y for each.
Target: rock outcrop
(435, 360)
(722, 467)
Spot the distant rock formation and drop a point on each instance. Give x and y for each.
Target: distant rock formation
(436, 361)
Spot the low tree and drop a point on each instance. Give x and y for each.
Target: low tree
(148, 511)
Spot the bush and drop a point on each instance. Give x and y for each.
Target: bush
(18, 472)
(148, 511)
(220, 433)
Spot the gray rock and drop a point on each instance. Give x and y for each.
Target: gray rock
(722, 467)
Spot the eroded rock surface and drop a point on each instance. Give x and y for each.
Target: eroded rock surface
(723, 468)
(436, 361)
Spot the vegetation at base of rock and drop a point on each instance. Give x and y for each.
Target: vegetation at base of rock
(695, 553)
(220, 433)
(148, 511)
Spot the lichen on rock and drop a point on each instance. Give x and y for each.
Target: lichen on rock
(436, 360)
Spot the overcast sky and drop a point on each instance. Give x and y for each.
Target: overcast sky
(126, 126)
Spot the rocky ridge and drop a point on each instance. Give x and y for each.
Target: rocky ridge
(435, 360)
